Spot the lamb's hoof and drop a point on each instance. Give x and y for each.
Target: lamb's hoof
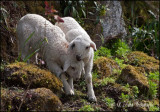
(92, 99)
(71, 92)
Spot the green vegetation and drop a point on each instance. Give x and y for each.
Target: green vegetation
(152, 92)
(80, 10)
(146, 38)
(153, 86)
(124, 98)
(135, 91)
(102, 51)
(110, 102)
(86, 108)
(153, 108)
(120, 48)
(104, 81)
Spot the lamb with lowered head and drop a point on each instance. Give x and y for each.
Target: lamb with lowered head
(55, 52)
(83, 48)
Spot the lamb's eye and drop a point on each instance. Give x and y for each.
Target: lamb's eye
(73, 45)
(87, 47)
(73, 68)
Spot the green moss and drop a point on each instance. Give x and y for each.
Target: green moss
(133, 76)
(140, 59)
(104, 66)
(47, 98)
(24, 74)
(40, 99)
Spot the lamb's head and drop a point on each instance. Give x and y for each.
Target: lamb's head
(80, 47)
(74, 68)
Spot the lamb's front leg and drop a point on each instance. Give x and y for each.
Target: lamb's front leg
(67, 87)
(55, 68)
(70, 81)
(88, 79)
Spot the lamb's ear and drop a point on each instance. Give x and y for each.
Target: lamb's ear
(71, 45)
(66, 66)
(93, 45)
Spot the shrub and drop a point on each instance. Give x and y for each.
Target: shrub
(146, 38)
(121, 48)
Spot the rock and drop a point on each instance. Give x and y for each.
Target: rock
(134, 77)
(113, 23)
(104, 67)
(40, 99)
(140, 59)
(22, 74)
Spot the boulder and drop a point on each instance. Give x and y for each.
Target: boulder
(113, 23)
(104, 66)
(134, 77)
(140, 59)
(40, 99)
(21, 74)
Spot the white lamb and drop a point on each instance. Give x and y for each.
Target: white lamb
(83, 48)
(55, 53)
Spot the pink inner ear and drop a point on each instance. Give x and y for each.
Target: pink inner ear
(93, 46)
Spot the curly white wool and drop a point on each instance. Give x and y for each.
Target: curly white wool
(55, 52)
(83, 48)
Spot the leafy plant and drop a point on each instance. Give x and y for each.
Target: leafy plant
(120, 62)
(86, 108)
(102, 51)
(124, 98)
(153, 76)
(99, 10)
(120, 48)
(153, 108)
(74, 8)
(152, 92)
(117, 71)
(110, 102)
(146, 37)
(94, 76)
(79, 10)
(127, 87)
(135, 91)
(105, 81)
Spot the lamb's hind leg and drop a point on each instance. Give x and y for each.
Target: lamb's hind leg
(53, 67)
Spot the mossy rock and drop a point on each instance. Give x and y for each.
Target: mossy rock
(40, 99)
(134, 77)
(104, 67)
(23, 75)
(140, 59)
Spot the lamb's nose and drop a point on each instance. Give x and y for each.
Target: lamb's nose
(78, 57)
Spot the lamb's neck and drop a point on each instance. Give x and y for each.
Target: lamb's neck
(64, 58)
